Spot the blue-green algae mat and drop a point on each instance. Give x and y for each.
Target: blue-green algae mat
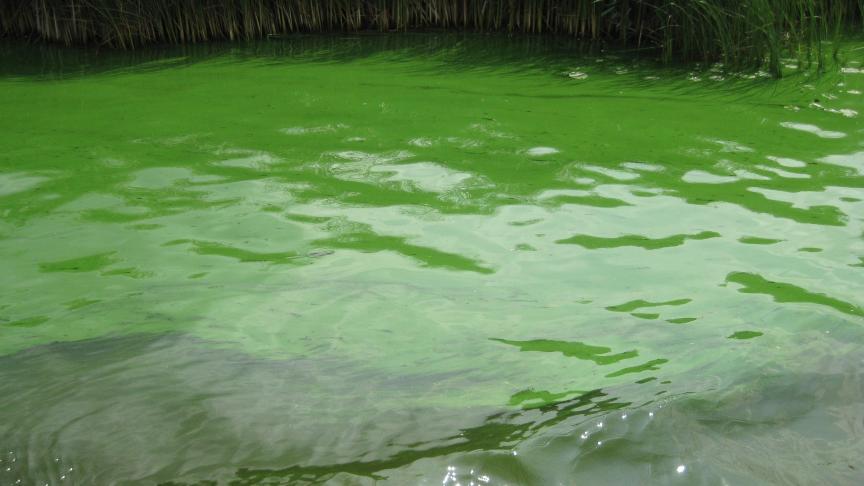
(428, 260)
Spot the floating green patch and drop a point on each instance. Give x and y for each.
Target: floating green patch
(239, 254)
(810, 249)
(109, 216)
(582, 402)
(572, 349)
(79, 303)
(640, 304)
(540, 398)
(639, 241)
(88, 263)
(28, 322)
(595, 201)
(130, 272)
(652, 365)
(755, 240)
(525, 223)
(429, 257)
(303, 218)
(639, 193)
(681, 320)
(745, 335)
(784, 292)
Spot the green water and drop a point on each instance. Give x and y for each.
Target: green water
(427, 260)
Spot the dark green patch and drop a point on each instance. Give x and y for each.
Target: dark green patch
(639, 193)
(745, 335)
(539, 398)
(784, 292)
(639, 241)
(524, 223)
(239, 254)
(430, 257)
(88, 263)
(755, 240)
(28, 322)
(303, 218)
(130, 272)
(592, 200)
(681, 320)
(640, 304)
(652, 365)
(572, 349)
(79, 303)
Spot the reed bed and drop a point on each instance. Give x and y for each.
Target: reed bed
(741, 33)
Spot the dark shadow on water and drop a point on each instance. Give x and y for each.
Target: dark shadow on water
(129, 398)
(458, 51)
(495, 434)
(489, 53)
(129, 372)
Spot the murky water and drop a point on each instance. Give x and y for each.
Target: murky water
(427, 260)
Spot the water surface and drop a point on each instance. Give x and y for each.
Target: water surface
(427, 260)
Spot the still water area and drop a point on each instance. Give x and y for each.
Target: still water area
(428, 259)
